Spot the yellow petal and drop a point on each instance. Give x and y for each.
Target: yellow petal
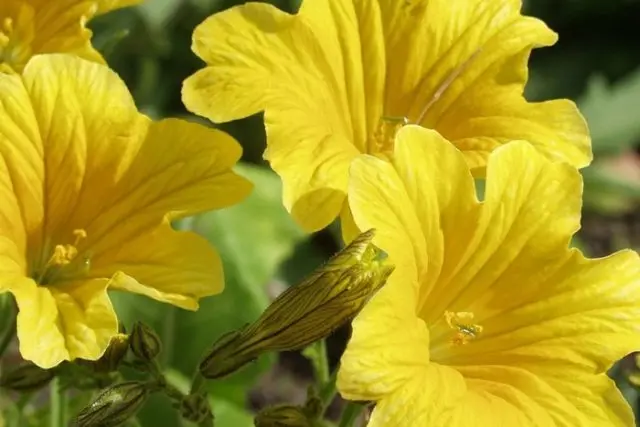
(531, 211)
(461, 67)
(169, 266)
(12, 231)
(21, 165)
(90, 133)
(426, 399)
(561, 399)
(306, 72)
(63, 322)
(377, 196)
(389, 343)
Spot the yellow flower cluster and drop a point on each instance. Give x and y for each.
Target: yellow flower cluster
(379, 112)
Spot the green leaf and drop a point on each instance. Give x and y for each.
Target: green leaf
(612, 114)
(253, 238)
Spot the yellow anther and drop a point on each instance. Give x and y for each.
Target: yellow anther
(462, 323)
(80, 235)
(7, 26)
(62, 256)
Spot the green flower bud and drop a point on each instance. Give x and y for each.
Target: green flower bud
(144, 342)
(282, 416)
(113, 355)
(114, 405)
(25, 378)
(313, 407)
(195, 408)
(331, 296)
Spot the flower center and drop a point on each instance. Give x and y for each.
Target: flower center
(64, 261)
(462, 323)
(381, 141)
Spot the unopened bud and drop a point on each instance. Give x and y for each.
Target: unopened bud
(313, 407)
(144, 342)
(25, 378)
(195, 408)
(282, 416)
(331, 296)
(114, 405)
(113, 355)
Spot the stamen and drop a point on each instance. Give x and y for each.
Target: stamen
(62, 256)
(461, 322)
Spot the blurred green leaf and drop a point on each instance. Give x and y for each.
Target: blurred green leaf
(612, 113)
(609, 194)
(157, 13)
(253, 238)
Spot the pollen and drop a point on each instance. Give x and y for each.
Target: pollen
(462, 323)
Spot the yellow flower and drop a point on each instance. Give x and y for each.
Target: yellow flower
(31, 27)
(489, 318)
(341, 76)
(88, 187)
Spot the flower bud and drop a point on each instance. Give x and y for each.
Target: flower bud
(144, 342)
(313, 406)
(195, 408)
(331, 296)
(26, 377)
(113, 355)
(282, 416)
(114, 405)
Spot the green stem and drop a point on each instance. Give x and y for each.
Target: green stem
(328, 391)
(168, 336)
(10, 331)
(58, 414)
(349, 414)
(197, 383)
(322, 367)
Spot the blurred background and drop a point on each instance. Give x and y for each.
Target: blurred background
(596, 63)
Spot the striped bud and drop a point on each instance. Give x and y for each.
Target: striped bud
(331, 296)
(113, 355)
(144, 342)
(114, 406)
(282, 416)
(26, 378)
(195, 408)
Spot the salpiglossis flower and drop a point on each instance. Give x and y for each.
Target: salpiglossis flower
(89, 188)
(31, 27)
(489, 319)
(338, 79)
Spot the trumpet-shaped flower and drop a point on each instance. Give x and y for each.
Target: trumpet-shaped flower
(338, 79)
(88, 188)
(31, 27)
(489, 319)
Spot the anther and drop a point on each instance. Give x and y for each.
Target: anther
(462, 323)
